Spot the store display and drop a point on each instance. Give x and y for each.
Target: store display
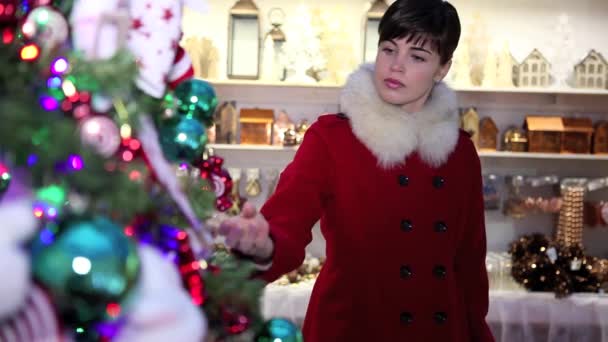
(596, 214)
(301, 129)
(533, 71)
(515, 140)
(460, 72)
(235, 197)
(592, 72)
(600, 138)
(272, 177)
(226, 123)
(290, 137)
(490, 70)
(488, 135)
(491, 195)
(303, 48)
(504, 73)
(256, 126)
(244, 41)
(205, 56)
(281, 125)
(274, 55)
(577, 135)
(562, 39)
(544, 133)
(570, 223)
(477, 37)
(469, 122)
(252, 185)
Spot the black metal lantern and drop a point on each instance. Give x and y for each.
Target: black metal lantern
(244, 41)
(372, 23)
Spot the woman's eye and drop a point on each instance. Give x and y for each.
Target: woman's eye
(418, 58)
(388, 50)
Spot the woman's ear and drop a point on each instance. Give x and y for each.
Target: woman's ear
(442, 71)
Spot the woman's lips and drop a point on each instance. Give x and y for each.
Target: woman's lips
(392, 83)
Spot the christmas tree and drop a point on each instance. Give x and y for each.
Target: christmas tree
(106, 185)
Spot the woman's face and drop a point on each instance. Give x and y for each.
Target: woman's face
(405, 72)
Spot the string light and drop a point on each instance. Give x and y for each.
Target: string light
(29, 52)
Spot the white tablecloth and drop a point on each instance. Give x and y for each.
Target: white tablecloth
(513, 316)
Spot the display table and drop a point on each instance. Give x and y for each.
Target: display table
(513, 316)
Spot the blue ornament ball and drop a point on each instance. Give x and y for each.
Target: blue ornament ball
(183, 140)
(196, 99)
(279, 330)
(89, 266)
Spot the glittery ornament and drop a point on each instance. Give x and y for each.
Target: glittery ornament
(101, 133)
(278, 329)
(46, 27)
(184, 140)
(196, 99)
(5, 178)
(211, 170)
(234, 322)
(89, 267)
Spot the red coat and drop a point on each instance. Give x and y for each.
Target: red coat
(406, 245)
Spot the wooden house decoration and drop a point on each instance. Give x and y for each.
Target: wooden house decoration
(515, 140)
(592, 72)
(488, 134)
(534, 71)
(469, 122)
(600, 138)
(256, 126)
(577, 135)
(544, 133)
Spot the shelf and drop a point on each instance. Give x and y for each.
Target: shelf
(239, 147)
(515, 90)
(482, 154)
(545, 156)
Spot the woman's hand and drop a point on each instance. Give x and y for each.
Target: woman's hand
(248, 233)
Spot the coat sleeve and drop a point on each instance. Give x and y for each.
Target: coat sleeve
(470, 261)
(297, 203)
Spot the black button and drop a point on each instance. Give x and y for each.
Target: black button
(342, 116)
(440, 317)
(406, 272)
(441, 227)
(406, 225)
(406, 318)
(438, 182)
(440, 271)
(404, 180)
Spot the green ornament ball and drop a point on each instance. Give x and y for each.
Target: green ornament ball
(279, 330)
(196, 99)
(183, 140)
(88, 265)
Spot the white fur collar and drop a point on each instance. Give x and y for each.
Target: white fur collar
(392, 134)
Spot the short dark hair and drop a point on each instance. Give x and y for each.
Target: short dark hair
(420, 21)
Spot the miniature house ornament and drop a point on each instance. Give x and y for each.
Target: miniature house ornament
(244, 41)
(592, 72)
(534, 71)
(488, 135)
(371, 34)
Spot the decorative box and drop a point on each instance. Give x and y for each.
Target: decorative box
(487, 135)
(577, 135)
(600, 138)
(515, 140)
(544, 133)
(256, 126)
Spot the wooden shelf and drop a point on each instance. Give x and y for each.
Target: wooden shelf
(545, 156)
(482, 154)
(515, 90)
